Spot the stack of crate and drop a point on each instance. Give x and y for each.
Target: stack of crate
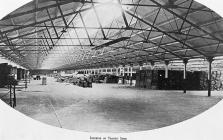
(5, 71)
(197, 80)
(216, 80)
(20, 73)
(147, 79)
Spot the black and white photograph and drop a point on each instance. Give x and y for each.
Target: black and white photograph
(111, 69)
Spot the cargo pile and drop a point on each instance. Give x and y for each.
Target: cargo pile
(104, 78)
(85, 80)
(197, 80)
(8, 75)
(216, 80)
(76, 79)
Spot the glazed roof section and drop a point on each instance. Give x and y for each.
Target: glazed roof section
(57, 34)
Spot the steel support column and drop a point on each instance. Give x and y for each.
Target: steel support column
(152, 65)
(140, 66)
(210, 60)
(123, 74)
(111, 70)
(152, 68)
(185, 61)
(131, 67)
(166, 69)
(117, 68)
(166, 81)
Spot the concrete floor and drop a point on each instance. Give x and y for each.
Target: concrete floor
(109, 107)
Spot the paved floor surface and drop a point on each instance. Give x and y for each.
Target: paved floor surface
(109, 107)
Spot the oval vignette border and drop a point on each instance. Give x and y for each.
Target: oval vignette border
(207, 125)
